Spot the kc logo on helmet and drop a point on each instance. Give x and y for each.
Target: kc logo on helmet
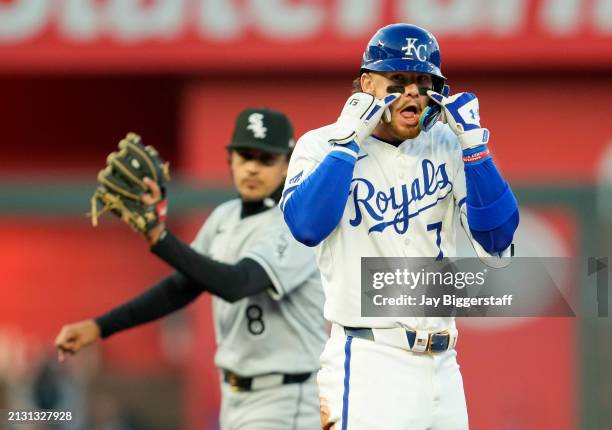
(412, 50)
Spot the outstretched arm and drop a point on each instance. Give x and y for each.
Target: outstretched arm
(195, 273)
(169, 295)
(172, 293)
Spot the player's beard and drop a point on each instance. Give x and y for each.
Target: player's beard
(262, 191)
(252, 190)
(399, 130)
(403, 132)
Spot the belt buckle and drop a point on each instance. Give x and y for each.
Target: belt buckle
(232, 379)
(430, 341)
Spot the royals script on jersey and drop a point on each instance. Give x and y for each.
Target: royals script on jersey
(404, 201)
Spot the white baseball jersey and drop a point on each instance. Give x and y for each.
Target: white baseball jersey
(281, 330)
(404, 201)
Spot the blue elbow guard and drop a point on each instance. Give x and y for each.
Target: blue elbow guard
(500, 238)
(487, 218)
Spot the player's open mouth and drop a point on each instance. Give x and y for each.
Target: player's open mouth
(410, 114)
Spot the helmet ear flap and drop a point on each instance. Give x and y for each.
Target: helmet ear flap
(438, 85)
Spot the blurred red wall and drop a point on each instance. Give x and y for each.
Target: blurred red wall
(76, 76)
(71, 123)
(544, 128)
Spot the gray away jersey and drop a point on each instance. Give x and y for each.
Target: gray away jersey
(279, 330)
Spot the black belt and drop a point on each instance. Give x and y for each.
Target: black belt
(245, 383)
(436, 342)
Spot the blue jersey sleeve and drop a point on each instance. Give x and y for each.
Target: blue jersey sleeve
(492, 209)
(313, 209)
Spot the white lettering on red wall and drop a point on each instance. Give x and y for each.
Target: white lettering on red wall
(322, 33)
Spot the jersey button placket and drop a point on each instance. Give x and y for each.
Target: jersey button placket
(231, 242)
(399, 163)
(403, 161)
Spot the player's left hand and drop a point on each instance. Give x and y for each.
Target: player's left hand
(461, 112)
(131, 186)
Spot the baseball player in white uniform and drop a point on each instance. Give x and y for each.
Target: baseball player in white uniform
(390, 180)
(268, 299)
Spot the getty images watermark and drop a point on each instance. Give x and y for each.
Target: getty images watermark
(406, 278)
(421, 287)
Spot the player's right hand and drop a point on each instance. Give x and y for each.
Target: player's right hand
(73, 337)
(361, 114)
(154, 198)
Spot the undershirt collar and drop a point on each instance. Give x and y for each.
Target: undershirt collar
(253, 208)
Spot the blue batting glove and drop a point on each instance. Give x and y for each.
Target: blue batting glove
(361, 114)
(431, 114)
(463, 117)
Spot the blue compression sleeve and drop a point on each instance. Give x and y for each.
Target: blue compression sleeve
(314, 207)
(492, 209)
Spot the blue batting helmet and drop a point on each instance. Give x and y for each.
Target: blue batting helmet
(404, 48)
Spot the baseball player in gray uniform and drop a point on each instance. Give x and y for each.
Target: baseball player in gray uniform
(268, 299)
